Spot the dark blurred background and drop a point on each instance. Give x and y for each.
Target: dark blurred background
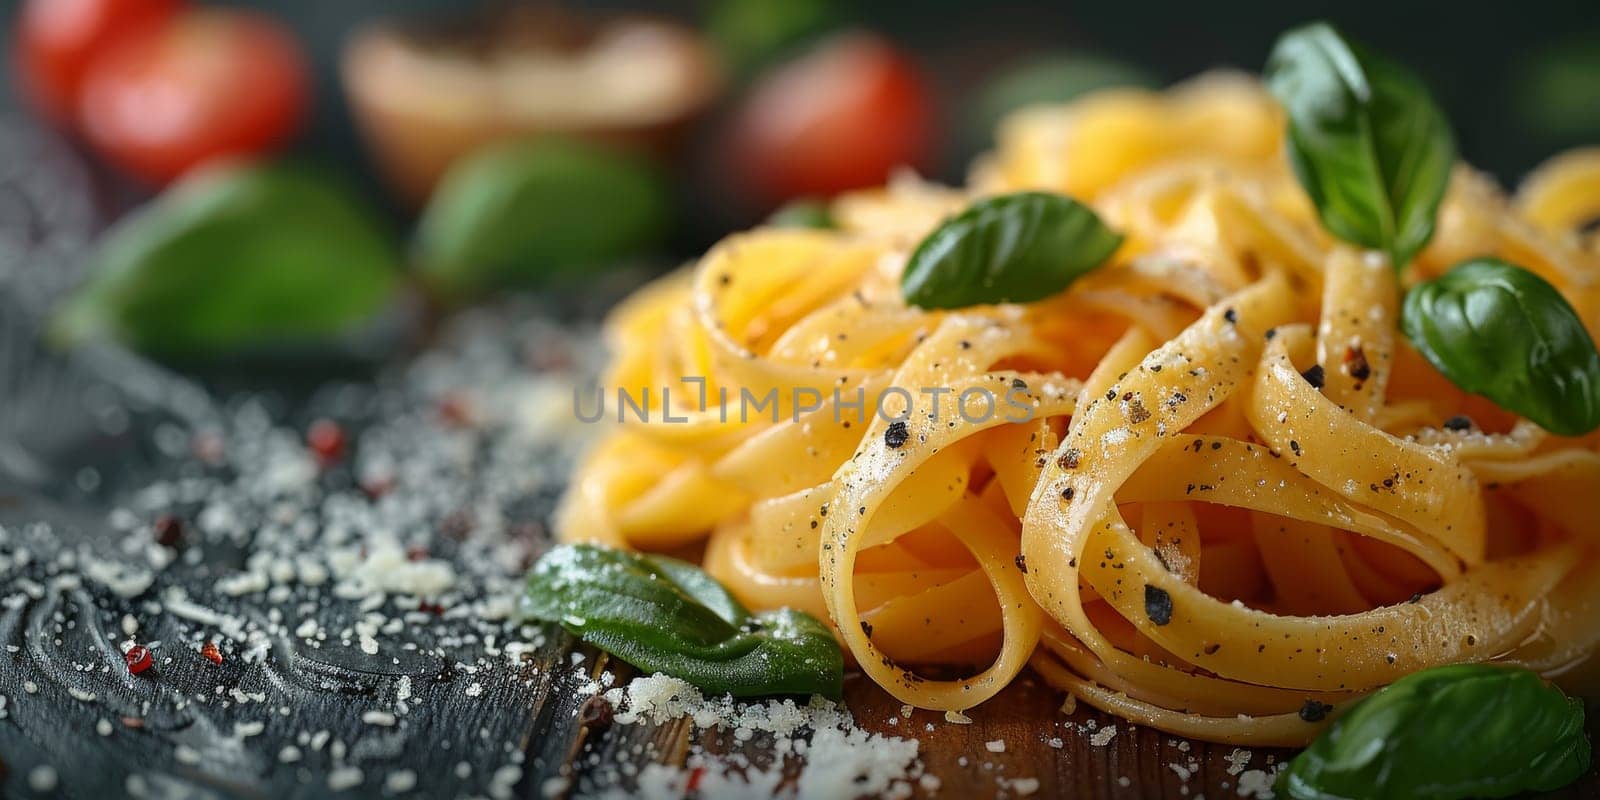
(1519, 80)
(919, 82)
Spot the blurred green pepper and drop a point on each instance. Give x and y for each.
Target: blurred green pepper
(803, 213)
(519, 213)
(751, 34)
(1556, 89)
(238, 256)
(1046, 79)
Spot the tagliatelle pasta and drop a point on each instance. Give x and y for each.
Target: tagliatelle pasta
(1206, 484)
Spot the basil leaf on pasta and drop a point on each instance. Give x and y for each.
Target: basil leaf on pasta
(1367, 141)
(1501, 331)
(664, 615)
(1014, 248)
(1468, 730)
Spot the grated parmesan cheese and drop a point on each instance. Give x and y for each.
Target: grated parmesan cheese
(839, 758)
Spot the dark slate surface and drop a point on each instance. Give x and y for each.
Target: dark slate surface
(77, 437)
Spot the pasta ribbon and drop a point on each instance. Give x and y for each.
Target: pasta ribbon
(1206, 484)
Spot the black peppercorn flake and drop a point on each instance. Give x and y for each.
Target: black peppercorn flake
(1157, 604)
(1137, 413)
(1022, 563)
(1315, 711)
(895, 435)
(1315, 376)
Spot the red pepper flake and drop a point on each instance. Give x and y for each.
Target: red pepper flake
(133, 722)
(210, 652)
(695, 775)
(596, 714)
(454, 410)
(526, 531)
(548, 355)
(208, 447)
(326, 440)
(1355, 363)
(138, 658)
(416, 552)
(376, 486)
(457, 524)
(430, 608)
(168, 530)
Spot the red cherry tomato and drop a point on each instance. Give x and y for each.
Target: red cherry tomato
(210, 83)
(840, 117)
(56, 39)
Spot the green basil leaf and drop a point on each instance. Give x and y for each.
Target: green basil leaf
(1469, 730)
(243, 256)
(1501, 331)
(519, 213)
(664, 615)
(803, 214)
(1013, 248)
(1048, 79)
(1367, 141)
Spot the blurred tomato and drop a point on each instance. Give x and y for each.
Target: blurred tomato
(840, 117)
(210, 83)
(57, 38)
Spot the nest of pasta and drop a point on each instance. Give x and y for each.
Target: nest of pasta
(1237, 490)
